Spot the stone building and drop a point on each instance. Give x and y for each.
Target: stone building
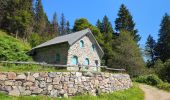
(72, 49)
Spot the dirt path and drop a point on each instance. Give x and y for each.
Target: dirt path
(152, 93)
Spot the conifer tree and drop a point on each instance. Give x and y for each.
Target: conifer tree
(68, 30)
(62, 25)
(150, 51)
(163, 45)
(54, 25)
(125, 22)
(40, 21)
(18, 17)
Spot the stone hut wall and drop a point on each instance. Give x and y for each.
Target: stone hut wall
(48, 54)
(62, 83)
(84, 52)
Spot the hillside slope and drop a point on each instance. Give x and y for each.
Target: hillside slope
(12, 49)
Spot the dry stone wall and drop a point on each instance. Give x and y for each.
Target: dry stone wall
(57, 84)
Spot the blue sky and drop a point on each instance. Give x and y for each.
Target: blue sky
(147, 14)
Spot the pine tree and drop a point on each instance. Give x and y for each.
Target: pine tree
(54, 25)
(62, 25)
(127, 54)
(40, 21)
(150, 51)
(125, 22)
(18, 17)
(163, 45)
(99, 24)
(68, 30)
(107, 30)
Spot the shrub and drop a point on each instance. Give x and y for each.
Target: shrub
(13, 49)
(149, 79)
(153, 80)
(164, 86)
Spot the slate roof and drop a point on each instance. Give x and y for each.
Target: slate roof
(71, 39)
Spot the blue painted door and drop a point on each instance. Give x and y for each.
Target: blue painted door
(86, 61)
(74, 60)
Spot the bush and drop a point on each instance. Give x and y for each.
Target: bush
(164, 86)
(149, 79)
(13, 49)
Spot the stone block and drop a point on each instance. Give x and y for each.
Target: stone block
(2, 77)
(11, 76)
(21, 77)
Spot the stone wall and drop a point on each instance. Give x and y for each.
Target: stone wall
(65, 84)
(84, 52)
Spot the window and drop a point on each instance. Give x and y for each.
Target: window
(57, 57)
(81, 44)
(86, 62)
(74, 60)
(92, 47)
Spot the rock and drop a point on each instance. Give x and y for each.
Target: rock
(8, 88)
(59, 86)
(36, 75)
(88, 74)
(18, 83)
(14, 92)
(21, 77)
(27, 92)
(54, 93)
(56, 80)
(2, 77)
(30, 78)
(83, 78)
(49, 79)
(42, 84)
(45, 92)
(78, 74)
(10, 83)
(43, 74)
(21, 89)
(71, 90)
(50, 87)
(51, 74)
(28, 84)
(11, 75)
(37, 90)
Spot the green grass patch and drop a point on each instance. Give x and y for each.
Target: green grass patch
(12, 49)
(29, 68)
(134, 93)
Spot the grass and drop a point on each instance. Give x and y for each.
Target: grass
(28, 68)
(134, 93)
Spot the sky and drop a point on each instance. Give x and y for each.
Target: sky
(147, 14)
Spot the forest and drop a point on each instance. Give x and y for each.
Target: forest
(27, 20)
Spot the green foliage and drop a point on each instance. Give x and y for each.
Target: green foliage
(12, 49)
(164, 86)
(149, 79)
(55, 26)
(165, 71)
(127, 54)
(134, 93)
(163, 45)
(29, 67)
(34, 39)
(17, 17)
(150, 51)
(125, 22)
